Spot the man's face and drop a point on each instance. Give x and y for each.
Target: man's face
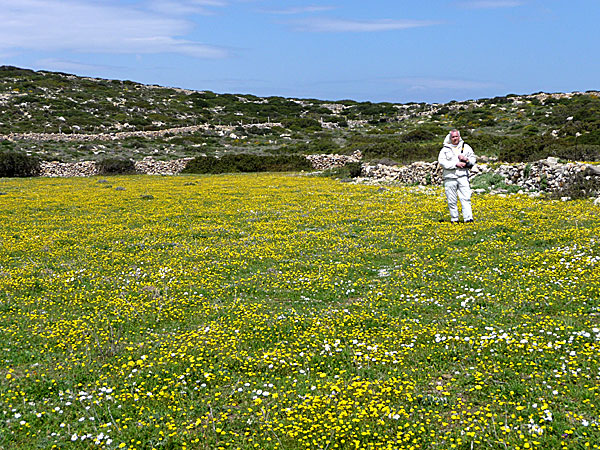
(454, 138)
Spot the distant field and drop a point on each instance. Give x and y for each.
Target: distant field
(293, 312)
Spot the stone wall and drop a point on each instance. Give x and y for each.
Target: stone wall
(148, 166)
(545, 175)
(221, 130)
(58, 169)
(324, 162)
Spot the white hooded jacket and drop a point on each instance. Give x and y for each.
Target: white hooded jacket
(448, 158)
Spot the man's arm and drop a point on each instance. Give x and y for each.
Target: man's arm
(470, 154)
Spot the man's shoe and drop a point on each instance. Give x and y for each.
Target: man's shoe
(469, 221)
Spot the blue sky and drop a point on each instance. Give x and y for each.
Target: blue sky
(397, 51)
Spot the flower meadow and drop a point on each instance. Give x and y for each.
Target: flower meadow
(294, 312)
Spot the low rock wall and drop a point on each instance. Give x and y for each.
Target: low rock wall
(544, 175)
(148, 166)
(58, 169)
(324, 162)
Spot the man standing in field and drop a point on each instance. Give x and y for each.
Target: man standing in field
(456, 158)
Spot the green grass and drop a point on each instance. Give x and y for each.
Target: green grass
(286, 311)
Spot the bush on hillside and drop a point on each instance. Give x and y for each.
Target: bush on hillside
(402, 152)
(247, 163)
(316, 146)
(345, 172)
(301, 124)
(531, 148)
(115, 166)
(575, 152)
(423, 133)
(534, 148)
(16, 164)
(582, 185)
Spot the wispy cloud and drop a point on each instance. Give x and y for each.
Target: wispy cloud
(90, 27)
(186, 7)
(490, 4)
(419, 84)
(300, 10)
(324, 25)
(63, 65)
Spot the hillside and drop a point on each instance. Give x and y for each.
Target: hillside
(64, 117)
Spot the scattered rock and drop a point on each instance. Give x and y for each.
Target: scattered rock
(119, 188)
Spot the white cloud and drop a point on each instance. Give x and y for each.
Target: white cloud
(340, 25)
(490, 4)
(82, 26)
(301, 10)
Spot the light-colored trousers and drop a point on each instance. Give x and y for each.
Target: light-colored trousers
(459, 189)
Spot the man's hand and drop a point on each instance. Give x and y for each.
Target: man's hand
(461, 165)
(462, 158)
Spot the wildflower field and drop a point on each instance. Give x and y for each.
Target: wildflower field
(293, 312)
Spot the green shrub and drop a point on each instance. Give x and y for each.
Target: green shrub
(404, 153)
(244, 162)
(575, 152)
(115, 166)
(523, 149)
(317, 146)
(16, 164)
(423, 133)
(593, 137)
(489, 180)
(354, 169)
(302, 124)
(345, 172)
